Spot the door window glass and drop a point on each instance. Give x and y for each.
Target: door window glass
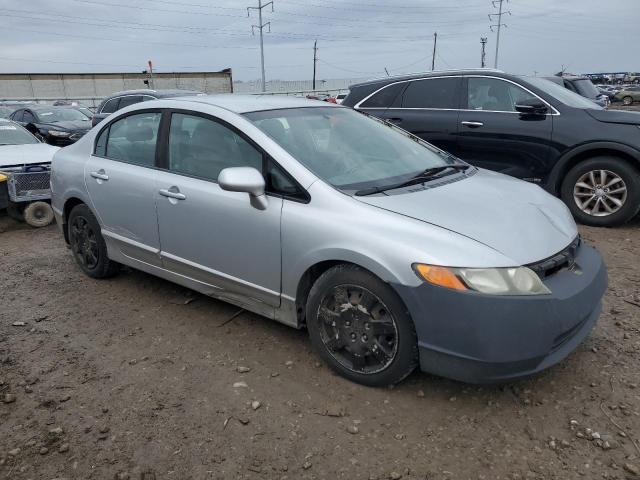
(432, 93)
(28, 117)
(132, 139)
(496, 95)
(202, 147)
(101, 143)
(385, 97)
(129, 100)
(111, 106)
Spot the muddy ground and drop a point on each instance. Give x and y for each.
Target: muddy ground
(133, 377)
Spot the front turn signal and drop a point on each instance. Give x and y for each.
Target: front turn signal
(441, 276)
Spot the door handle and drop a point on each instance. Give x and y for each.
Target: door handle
(472, 124)
(173, 192)
(100, 175)
(395, 120)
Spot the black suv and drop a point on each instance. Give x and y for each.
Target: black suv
(128, 97)
(527, 127)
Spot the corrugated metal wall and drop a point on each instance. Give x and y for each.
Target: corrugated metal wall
(89, 88)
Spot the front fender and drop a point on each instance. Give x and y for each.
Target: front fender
(564, 163)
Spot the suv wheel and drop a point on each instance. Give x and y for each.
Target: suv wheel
(87, 244)
(627, 100)
(602, 191)
(360, 327)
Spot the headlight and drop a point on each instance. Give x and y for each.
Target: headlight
(494, 281)
(58, 133)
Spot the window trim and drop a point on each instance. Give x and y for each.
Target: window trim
(553, 111)
(162, 153)
(121, 117)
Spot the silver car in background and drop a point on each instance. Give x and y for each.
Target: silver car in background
(391, 252)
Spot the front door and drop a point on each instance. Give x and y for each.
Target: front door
(493, 135)
(120, 179)
(211, 235)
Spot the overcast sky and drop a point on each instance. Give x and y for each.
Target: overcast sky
(356, 38)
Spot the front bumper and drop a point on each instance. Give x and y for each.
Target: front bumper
(480, 338)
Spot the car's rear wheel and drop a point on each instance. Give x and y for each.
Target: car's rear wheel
(602, 191)
(360, 327)
(88, 247)
(38, 214)
(627, 100)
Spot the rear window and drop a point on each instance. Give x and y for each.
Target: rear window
(111, 106)
(385, 97)
(432, 93)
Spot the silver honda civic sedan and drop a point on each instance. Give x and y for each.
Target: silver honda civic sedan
(391, 253)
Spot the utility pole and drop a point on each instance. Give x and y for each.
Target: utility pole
(433, 57)
(261, 27)
(150, 63)
(315, 60)
(483, 42)
(497, 25)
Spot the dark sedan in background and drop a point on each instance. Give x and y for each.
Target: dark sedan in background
(59, 126)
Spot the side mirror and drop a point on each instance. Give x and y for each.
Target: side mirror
(245, 179)
(531, 108)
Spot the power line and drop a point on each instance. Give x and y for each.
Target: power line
(261, 26)
(499, 25)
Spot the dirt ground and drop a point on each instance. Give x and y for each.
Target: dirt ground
(134, 377)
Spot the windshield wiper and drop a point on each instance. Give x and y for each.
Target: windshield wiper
(425, 175)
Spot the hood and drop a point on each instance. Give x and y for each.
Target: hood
(515, 218)
(14, 155)
(615, 116)
(70, 125)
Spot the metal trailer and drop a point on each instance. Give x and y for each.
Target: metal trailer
(28, 195)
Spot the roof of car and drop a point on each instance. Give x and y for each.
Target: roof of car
(169, 92)
(433, 73)
(254, 103)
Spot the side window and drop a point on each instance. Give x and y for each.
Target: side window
(17, 116)
(111, 106)
(28, 117)
(385, 97)
(495, 94)
(432, 93)
(202, 147)
(101, 143)
(129, 100)
(132, 139)
(146, 98)
(280, 182)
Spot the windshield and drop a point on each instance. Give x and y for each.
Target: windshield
(346, 148)
(5, 112)
(560, 93)
(12, 134)
(60, 115)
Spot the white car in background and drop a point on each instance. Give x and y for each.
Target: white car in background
(25, 164)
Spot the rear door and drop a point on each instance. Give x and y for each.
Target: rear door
(120, 178)
(428, 108)
(495, 136)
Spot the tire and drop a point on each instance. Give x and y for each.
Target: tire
(355, 341)
(14, 210)
(38, 214)
(627, 100)
(87, 245)
(628, 201)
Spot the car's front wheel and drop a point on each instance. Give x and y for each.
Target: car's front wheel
(88, 247)
(602, 191)
(627, 100)
(360, 327)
